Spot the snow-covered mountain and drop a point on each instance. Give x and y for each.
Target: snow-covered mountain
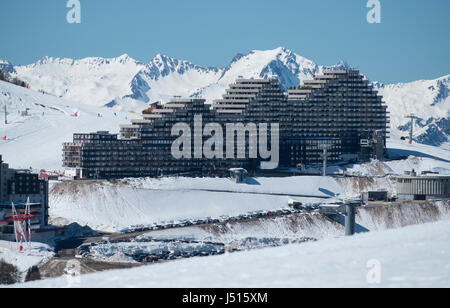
(90, 81)
(289, 67)
(165, 77)
(39, 124)
(427, 99)
(6, 66)
(127, 84)
(114, 82)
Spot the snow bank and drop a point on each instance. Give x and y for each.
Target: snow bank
(90, 81)
(38, 254)
(112, 207)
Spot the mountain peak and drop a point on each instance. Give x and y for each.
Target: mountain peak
(125, 58)
(283, 50)
(45, 60)
(99, 81)
(160, 56)
(341, 65)
(6, 66)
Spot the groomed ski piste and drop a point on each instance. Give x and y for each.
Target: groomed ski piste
(50, 122)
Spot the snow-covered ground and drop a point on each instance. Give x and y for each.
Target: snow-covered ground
(316, 186)
(397, 147)
(36, 140)
(111, 207)
(38, 254)
(416, 256)
(128, 84)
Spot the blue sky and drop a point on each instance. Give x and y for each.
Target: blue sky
(411, 43)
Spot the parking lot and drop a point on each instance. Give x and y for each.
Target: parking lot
(222, 219)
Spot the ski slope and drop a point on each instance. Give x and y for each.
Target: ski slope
(416, 256)
(36, 140)
(91, 81)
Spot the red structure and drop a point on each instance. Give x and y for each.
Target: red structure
(22, 224)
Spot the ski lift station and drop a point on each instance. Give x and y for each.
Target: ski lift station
(424, 187)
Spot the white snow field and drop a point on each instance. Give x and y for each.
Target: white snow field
(36, 140)
(106, 206)
(38, 254)
(416, 256)
(397, 147)
(91, 81)
(315, 186)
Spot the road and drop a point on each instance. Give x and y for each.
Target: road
(65, 262)
(58, 267)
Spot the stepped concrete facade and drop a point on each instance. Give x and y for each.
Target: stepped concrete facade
(338, 110)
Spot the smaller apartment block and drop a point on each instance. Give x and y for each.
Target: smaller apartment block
(17, 186)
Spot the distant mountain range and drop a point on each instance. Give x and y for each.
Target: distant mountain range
(124, 83)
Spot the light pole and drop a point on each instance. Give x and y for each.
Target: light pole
(411, 130)
(325, 148)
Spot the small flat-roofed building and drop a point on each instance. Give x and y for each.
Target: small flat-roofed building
(423, 187)
(372, 196)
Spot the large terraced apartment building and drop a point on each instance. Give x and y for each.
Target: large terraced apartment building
(338, 109)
